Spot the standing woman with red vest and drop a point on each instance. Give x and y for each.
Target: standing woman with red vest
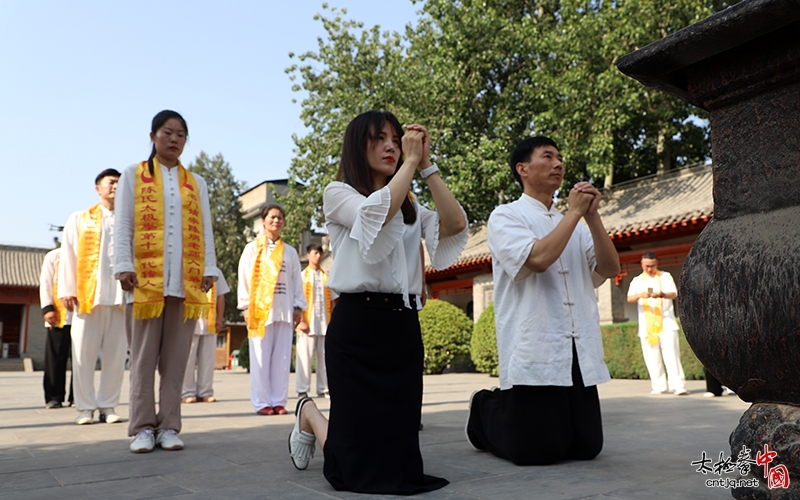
(165, 261)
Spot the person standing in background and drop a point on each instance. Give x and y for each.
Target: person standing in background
(653, 291)
(200, 388)
(271, 300)
(87, 286)
(311, 330)
(57, 344)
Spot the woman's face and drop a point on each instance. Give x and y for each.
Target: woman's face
(383, 154)
(273, 222)
(169, 141)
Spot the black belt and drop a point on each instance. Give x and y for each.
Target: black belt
(379, 300)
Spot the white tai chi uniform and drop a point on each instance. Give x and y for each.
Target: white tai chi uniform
(667, 346)
(314, 340)
(103, 329)
(271, 355)
(203, 354)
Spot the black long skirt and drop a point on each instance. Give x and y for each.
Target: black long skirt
(374, 358)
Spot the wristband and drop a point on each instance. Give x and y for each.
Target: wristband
(429, 171)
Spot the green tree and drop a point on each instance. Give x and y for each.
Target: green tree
(353, 71)
(230, 228)
(482, 75)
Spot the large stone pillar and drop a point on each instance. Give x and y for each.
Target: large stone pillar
(740, 285)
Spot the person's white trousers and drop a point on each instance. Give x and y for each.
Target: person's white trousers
(202, 357)
(668, 349)
(270, 362)
(306, 346)
(102, 330)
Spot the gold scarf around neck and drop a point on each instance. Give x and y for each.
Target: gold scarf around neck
(653, 315)
(148, 244)
(263, 279)
(90, 228)
(308, 290)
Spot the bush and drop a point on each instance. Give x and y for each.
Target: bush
(624, 353)
(446, 333)
(244, 354)
(484, 343)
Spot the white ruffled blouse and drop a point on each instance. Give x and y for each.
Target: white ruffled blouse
(371, 257)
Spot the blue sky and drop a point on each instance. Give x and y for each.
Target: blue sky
(80, 82)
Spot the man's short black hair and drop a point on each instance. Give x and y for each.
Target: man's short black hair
(522, 153)
(314, 246)
(649, 255)
(109, 172)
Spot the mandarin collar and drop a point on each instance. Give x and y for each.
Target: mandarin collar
(537, 205)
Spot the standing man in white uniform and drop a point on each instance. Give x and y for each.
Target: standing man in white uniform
(203, 353)
(311, 330)
(545, 267)
(88, 288)
(654, 291)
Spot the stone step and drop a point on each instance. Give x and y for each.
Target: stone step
(12, 365)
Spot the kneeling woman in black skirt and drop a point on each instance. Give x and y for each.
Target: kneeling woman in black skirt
(373, 347)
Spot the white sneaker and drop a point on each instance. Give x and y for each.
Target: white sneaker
(709, 394)
(143, 442)
(681, 392)
(168, 439)
(301, 444)
(85, 417)
(108, 416)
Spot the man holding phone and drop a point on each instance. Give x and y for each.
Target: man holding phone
(654, 292)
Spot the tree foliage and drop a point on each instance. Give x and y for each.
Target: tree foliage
(446, 334)
(230, 228)
(484, 74)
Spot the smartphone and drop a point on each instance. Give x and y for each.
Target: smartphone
(649, 290)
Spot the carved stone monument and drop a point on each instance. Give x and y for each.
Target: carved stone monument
(740, 286)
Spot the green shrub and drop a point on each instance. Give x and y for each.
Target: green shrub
(624, 353)
(446, 333)
(484, 343)
(244, 354)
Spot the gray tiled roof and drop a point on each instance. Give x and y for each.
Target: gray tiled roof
(657, 201)
(20, 266)
(644, 203)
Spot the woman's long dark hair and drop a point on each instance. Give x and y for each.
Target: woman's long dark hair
(354, 167)
(158, 121)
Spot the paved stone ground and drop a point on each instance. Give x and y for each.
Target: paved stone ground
(231, 453)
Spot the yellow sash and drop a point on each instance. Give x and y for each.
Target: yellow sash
(308, 289)
(90, 226)
(148, 244)
(652, 315)
(262, 285)
(212, 311)
(60, 307)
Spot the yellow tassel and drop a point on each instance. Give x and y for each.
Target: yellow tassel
(148, 310)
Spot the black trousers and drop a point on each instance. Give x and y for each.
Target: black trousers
(58, 346)
(713, 385)
(538, 425)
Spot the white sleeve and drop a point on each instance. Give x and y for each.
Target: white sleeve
(446, 251)
(68, 265)
(47, 278)
(210, 268)
(667, 283)
(299, 298)
(123, 222)
(510, 242)
(245, 268)
(222, 284)
(635, 288)
(365, 216)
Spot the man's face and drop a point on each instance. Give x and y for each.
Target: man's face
(650, 266)
(314, 257)
(107, 188)
(544, 170)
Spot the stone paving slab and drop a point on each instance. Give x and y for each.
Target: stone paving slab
(231, 453)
